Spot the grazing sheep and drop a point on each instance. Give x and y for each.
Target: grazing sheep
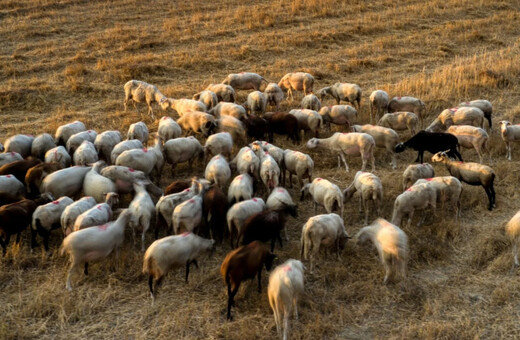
(64, 132)
(181, 106)
(284, 290)
(198, 122)
(256, 103)
(218, 143)
(311, 102)
(471, 137)
(60, 155)
(234, 127)
(169, 252)
(245, 81)
(9, 157)
(513, 231)
(47, 218)
(240, 189)
(416, 171)
(239, 213)
(260, 146)
(228, 109)
(183, 149)
(280, 200)
(308, 120)
(246, 162)
(36, 174)
(138, 92)
(299, 164)
(408, 104)
(448, 189)
(370, 189)
(322, 230)
(343, 91)
(138, 131)
(65, 182)
(218, 171)
(72, 211)
(96, 185)
(225, 93)
(187, 216)
(353, 144)
(41, 144)
(384, 138)
(142, 209)
(125, 145)
(339, 115)
(482, 104)
(298, 81)
(510, 133)
(105, 143)
(256, 127)
(208, 98)
(150, 161)
(324, 193)
(98, 214)
(215, 207)
(470, 173)
(76, 139)
(85, 154)
(399, 121)
(168, 129)
(274, 94)
(94, 244)
(391, 244)
(20, 144)
(11, 189)
(457, 116)
(378, 103)
(432, 142)
(269, 172)
(416, 197)
(283, 123)
(119, 173)
(243, 264)
(19, 168)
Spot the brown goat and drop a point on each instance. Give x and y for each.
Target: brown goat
(282, 123)
(242, 264)
(19, 168)
(36, 174)
(177, 186)
(215, 208)
(256, 127)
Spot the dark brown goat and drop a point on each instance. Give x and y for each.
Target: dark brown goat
(242, 264)
(19, 168)
(256, 127)
(282, 123)
(215, 208)
(36, 174)
(177, 186)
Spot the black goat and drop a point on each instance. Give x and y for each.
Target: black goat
(432, 142)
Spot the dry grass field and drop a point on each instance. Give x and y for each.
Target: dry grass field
(67, 60)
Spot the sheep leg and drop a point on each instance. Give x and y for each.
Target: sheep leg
(394, 162)
(18, 236)
(290, 179)
(410, 217)
(156, 285)
(85, 269)
(387, 272)
(295, 305)
(150, 285)
(4, 246)
(490, 198)
(187, 270)
(345, 161)
(72, 269)
(46, 237)
(515, 255)
(231, 300)
(366, 211)
(285, 324)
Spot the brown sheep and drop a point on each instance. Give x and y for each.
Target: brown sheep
(19, 168)
(36, 174)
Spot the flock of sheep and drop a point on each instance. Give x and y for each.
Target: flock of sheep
(40, 176)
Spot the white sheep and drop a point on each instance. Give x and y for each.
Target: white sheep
(150, 161)
(123, 146)
(240, 189)
(447, 189)
(64, 132)
(187, 216)
(408, 104)
(457, 116)
(384, 138)
(123, 173)
(308, 120)
(297, 81)
(85, 154)
(510, 133)
(416, 171)
(471, 137)
(98, 214)
(198, 122)
(274, 94)
(391, 244)
(65, 182)
(183, 149)
(353, 143)
(20, 144)
(225, 93)
(343, 91)
(269, 172)
(168, 128)
(218, 143)
(299, 164)
(284, 290)
(11, 189)
(322, 230)
(378, 103)
(245, 81)
(260, 146)
(47, 218)
(324, 193)
(339, 115)
(513, 231)
(96, 185)
(76, 139)
(311, 102)
(142, 209)
(218, 171)
(94, 244)
(41, 144)
(482, 104)
(9, 157)
(234, 127)
(105, 143)
(169, 252)
(138, 131)
(416, 197)
(256, 103)
(72, 211)
(399, 121)
(280, 200)
(183, 105)
(239, 213)
(370, 189)
(228, 109)
(246, 162)
(139, 92)
(208, 98)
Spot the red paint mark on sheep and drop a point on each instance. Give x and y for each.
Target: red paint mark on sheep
(281, 190)
(89, 131)
(239, 177)
(145, 149)
(103, 227)
(254, 200)
(9, 176)
(99, 207)
(55, 202)
(191, 200)
(399, 98)
(131, 170)
(429, 179)
(287, 268)
(163, 118)
(318, 179)
(185, 234)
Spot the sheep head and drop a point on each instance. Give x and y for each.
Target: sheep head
(313, 143)
(400, 147)
(440, 156)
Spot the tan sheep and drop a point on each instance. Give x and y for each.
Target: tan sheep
(256, 103)
(324, 193)
(378, 103)
(448, 189)
(400, 121)
(416, 171)
(311, 102)
(299, 164)
(198, 122)
(482, 104)
(183, 105)
(510, 133)
(408, 104)
(139, 92)
(339, 115)
(343, 91)
(245, 81)
(298, 81)
(225, 93)
(513, 231)
(274, 95)
(370, 189)
(308, 120)
(384, 138)
(471, 137)
(416, 197)
(208, 98)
